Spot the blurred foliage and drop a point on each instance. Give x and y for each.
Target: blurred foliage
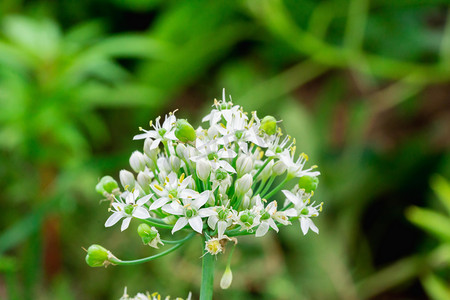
(362, 85)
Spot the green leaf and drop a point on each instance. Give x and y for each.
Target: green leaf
(442, 189)
(430, 221)
(435, 287)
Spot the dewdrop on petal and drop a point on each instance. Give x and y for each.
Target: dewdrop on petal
(227, 278)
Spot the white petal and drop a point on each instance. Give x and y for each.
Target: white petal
(196, 223)
(212, 221)
(125, 223)
(221, 227)
(170, 136)
(273, 225)
(159, 202)
(291, 212)
(155, 144)
(200, 201)
(262, 229)
(226, 153)
(291, 197)
(144, 200)
(181, 222)
(173, 208)
(141, 213)
(306, 223)
(113, 219)
(206, 212)
(226, 166)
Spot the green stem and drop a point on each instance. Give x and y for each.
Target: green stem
(262, 168)
(207, 287)
(177, 241)
(275, 190)
(117, 261)
(157, 223)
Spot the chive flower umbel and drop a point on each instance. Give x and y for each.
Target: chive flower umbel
(236, 174)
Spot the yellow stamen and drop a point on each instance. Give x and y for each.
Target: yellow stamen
(158, 187)
(182, 177)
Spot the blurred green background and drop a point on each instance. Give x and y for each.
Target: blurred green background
(364, 87)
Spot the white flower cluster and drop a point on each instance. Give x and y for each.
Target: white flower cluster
(148, 296)
(217, 179)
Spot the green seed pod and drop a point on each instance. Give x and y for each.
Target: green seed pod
(269, 125)
(147, 233)
(106, 185)
(308, 183)
(184, 131)
(97, 256)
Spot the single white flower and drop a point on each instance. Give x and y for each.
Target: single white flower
(269, 215)
(295, 166)
(303, 211)
(128, 209)
(160, 132)
(172, 189)
(223, 220)
(210, 152)
(190, 210)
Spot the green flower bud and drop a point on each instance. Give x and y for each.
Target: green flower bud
(97, 256)
(106, 185)
(184, 131)
(269, 125)
(308, 183)
(149, 235)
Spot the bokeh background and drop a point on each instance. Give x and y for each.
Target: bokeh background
(364, 87)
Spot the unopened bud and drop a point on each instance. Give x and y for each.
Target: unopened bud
(144, 181)
(203, 169)
(267, 171)
(182, 151)
(227, 278)
(244, 165)
(151, 153)
(97, 256)
(279, 168)
(175, 163)
(127, 179)
(308, 183)
(184, 131)
(149, 235)
(244, 184)
(106, 185)
(269, 125)
(137, 161)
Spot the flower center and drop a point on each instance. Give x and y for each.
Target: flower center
(190, 213)
(265, 216)
(129, 209)
(304, 211)
(162, 131)
(212, 156)
(239, 134)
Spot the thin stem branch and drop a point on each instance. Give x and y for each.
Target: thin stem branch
(117, 261)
